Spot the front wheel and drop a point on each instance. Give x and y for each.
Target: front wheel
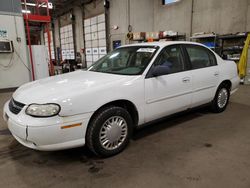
(109, 131)
(221, 99)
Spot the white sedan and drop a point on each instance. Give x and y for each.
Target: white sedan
(131, 86)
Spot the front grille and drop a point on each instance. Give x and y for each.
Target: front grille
(15, 107)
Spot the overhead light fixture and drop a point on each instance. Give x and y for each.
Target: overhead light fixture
(50, 5)
(167, 2)
(106, 3)
(26, 11)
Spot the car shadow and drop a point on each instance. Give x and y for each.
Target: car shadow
(21, 154)
(169, 121)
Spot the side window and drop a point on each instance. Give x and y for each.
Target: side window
(171, 58)
(200, 57)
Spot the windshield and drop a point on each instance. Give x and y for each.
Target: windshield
(126, 60)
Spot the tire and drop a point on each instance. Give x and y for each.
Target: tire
(221, 99)
(109, 131)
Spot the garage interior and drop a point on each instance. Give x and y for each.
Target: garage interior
(43, 38)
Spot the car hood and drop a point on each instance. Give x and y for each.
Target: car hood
(57, 88)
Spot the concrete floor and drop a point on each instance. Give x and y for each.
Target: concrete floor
(197, 149)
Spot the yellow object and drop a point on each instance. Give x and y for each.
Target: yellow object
(70, 126)
(242, 65)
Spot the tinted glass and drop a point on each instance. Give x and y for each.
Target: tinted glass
(171, 59)
(200, 57)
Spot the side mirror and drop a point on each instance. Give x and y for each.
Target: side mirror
(160, 70)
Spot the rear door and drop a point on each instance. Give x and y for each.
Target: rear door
(168, 93)
(205, 73)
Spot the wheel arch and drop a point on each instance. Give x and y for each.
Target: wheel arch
(126, 104)
(227, 83)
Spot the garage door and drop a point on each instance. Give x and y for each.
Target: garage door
(67, 42)
(95, 38)
(51, 45)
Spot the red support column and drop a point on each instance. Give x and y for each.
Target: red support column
(29, 43)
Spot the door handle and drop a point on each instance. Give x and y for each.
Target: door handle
(186, 79)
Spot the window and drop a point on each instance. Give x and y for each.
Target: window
(125, 61)
(171, 59)
(167, 2)
(200, 57)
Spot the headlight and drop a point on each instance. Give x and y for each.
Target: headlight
(43, 110)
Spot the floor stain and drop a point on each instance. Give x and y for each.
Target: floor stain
(5, 132)
(13, 151)
(191, 178)
(208, 145)
(94, 169)
(40, 161)
(94, 165)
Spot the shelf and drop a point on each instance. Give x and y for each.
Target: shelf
(175, 36)
(232, 36)
(234, 59)
(233, 49)
(204, 36)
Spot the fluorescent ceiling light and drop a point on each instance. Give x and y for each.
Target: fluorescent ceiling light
(26, 11)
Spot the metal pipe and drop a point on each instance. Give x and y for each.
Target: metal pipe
(49, 41)
(192, 16)
(29, 43)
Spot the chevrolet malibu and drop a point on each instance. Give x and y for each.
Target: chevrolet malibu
(133, 85)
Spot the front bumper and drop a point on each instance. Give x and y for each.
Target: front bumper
(46, 133)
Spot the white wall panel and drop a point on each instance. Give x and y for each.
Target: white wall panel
(101, 35)
(94, 36)
(102, 42)
(95, 51)
(101, 55)
(89, 58)
(88, 44)
(95, 58)
(93, 28)
(87, 30)
(89, 51)
(103, 50)
(101, 26)
(87, 37)
(86, 22)
(94, 43)
(89, 63)
(93, 20)
(101, 18)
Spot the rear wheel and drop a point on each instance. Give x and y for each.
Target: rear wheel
(221, 99)
(109, 131)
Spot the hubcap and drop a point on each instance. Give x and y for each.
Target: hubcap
(113, 132)
(222, 98)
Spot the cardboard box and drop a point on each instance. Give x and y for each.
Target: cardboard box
(152, 35)
(138, 36)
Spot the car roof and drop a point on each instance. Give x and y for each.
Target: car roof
(161, 43)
